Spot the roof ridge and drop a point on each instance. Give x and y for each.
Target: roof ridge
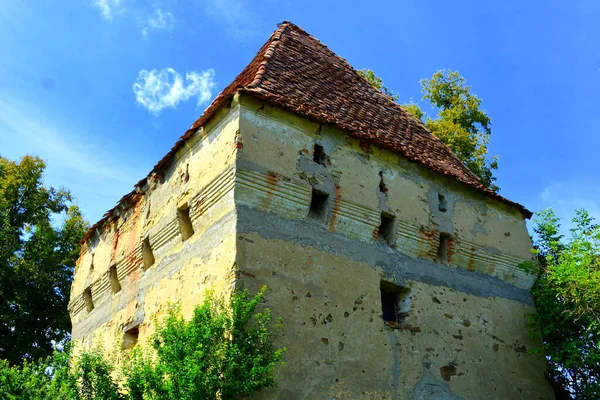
(262, 68)
(306, 77)
(276, 39)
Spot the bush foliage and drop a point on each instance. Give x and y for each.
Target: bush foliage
(224, 351)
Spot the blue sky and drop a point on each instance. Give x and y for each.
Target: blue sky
(102, 89)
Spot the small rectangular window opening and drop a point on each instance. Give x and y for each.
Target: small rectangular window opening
(87, 297)
(387, 229)
(115, 285)
(147, 254)
(395, 304)
(185, 223)
(442, 204)
(130, 337)
(443, 248)
(319, 155)
(318, 205)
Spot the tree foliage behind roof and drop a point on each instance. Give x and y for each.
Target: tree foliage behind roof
(40, 231)
(460, 123)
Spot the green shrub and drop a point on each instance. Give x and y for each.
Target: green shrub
(225, 351)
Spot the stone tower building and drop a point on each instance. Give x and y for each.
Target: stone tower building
(395, 272)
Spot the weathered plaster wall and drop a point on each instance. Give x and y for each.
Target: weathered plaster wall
(465, 336)
(248, 180)
(202, 177)
(486, 236)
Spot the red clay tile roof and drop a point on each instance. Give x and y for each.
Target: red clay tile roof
(294, 71)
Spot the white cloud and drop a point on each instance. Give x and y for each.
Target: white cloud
(159, 89)
(109, 8)
(159, 21)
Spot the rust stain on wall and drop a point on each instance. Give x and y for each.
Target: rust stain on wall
(336, 208)
(272, 179)
(428, 246)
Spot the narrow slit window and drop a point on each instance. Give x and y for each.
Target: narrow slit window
(115, 285)
(130, 337)
(147, 254)
(387, 229)
(442, 204)
(87, 297)
(395, 304)
(319, 155)
(382, 186)
(185, 223)
(443, 249)
(318, 205)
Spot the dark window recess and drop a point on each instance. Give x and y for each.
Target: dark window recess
(115, 285)
(92, 263)
(318, 205)
(442, 204)
(382, 187)
(147, 254)
(387, 229)
(130, 337)
(443, 248)
(185, 223)
(395, 304)
(319, 155)
(87, 297)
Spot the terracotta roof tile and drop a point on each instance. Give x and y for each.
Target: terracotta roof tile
(296, 72)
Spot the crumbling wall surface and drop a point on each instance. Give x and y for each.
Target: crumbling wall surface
(362, 182)
(174, 241)
(465, 335)
(455, 251)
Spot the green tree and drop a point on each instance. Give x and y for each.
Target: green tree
(58, 377)
(223, 352)
(40, 231)
(460, 122)
(567, 298)
(377, 82)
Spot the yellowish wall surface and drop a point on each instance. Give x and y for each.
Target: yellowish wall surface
(488, 237)
(457, 345)
(201, 176)
(465, 337)
(248, 181)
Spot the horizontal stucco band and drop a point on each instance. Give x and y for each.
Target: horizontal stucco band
(394, 264)
(167, 267)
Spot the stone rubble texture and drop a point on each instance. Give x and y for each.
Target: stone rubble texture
(246, 171)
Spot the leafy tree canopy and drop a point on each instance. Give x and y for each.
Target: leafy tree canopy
(377, 82)
(567, 297)
(40, 231)
(460, 123)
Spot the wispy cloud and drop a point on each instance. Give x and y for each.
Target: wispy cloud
(159, 21)
(90, 169)
(240, 20)
(156, 90)
(109, 8)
